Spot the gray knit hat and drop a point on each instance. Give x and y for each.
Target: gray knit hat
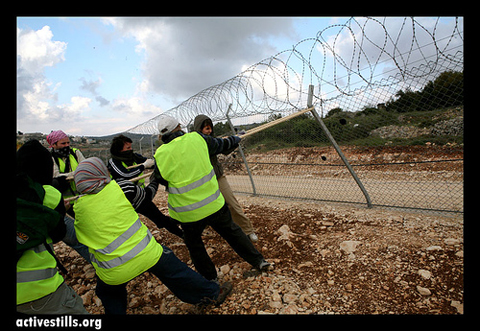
(91, 176)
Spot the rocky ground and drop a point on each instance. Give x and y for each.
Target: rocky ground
(328, 259)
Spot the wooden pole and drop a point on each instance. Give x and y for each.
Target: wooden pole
(140, 177)
(132, 180)
(273, 123)
(134, 166)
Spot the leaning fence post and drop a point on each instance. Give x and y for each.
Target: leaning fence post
(337, 148)
(240, 149)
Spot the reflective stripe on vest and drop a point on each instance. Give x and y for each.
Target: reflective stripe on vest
(196, 205)
(189, 187)
(193, 191)
(39, 274)
(117, 243)
(121, 247)
(34, 275)
(194, 185)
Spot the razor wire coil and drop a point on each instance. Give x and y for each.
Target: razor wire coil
(378, 87)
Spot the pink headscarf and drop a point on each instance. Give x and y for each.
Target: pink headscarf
(55, 136)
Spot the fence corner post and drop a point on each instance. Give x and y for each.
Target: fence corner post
(337, 148)
(240, 149)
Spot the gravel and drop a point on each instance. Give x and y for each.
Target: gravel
(328, 259)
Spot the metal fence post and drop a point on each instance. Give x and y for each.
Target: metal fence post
(337, 148)
(240, 149)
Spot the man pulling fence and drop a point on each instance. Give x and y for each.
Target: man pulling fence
(194, 198)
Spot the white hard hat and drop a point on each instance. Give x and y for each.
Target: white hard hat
(167, 124)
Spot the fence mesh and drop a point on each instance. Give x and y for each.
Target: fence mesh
(389, 91)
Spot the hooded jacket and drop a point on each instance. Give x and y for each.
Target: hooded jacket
(198, 123)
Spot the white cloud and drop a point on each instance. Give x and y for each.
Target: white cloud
(37, 106)
(186, 55)
(76, 108)
(274, 83)
(36, 50)
(135, 106)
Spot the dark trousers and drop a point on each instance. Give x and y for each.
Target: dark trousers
(148, 209)
(222, 223)
(185, 283)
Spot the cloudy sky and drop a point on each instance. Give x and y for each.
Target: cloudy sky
(98, 76)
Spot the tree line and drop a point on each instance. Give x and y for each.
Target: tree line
(445, 91)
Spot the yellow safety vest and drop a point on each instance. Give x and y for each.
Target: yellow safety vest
(140, 182)
(73, 162)
(73, 165)
(37, 275)
(121, 247)
(193, 191)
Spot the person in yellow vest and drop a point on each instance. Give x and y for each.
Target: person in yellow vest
(40, 287)
(203, 124)
(194, 198)
(121, 247)
(65, 162)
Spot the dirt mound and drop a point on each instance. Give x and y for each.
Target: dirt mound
(359, 154)
(328, 260)
(320, 161)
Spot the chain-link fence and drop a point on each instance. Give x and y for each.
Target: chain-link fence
(407, 152)
(427, 176)
(389, 95)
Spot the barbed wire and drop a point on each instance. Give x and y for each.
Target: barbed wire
(341, 61)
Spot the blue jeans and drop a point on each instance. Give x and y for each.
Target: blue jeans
(71, 238)
(185, 283)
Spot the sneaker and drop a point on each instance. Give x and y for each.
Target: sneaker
(253, 237)
(264, 266)
(225, 290)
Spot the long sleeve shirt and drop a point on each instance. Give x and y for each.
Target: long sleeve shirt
(135, 194)
(118, 170)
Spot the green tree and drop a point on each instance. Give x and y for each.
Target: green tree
(445, 91)
(334, 111)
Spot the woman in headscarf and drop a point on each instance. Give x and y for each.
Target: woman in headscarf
(66, 157)
(121, 247)
(66, 160)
